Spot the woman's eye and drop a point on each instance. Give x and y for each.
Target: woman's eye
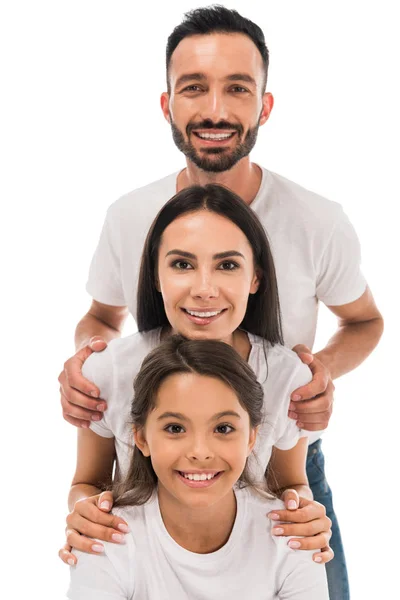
(224, 429)
(228, 265)
(174, 429)
(183, 265)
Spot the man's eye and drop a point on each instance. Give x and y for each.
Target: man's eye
(182, 265)
(239, 88)
(174, 428)
(192, 88)
(228, 265)
(225, 429)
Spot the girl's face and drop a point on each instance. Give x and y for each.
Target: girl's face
(205, 274)
(198, 437)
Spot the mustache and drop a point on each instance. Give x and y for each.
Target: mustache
(208, 124)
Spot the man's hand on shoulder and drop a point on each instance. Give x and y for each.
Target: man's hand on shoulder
(311, 405)
(79, 397)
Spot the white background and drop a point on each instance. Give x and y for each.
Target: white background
(80, 126)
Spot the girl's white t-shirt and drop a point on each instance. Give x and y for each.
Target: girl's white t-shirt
(152, 566)
(278, 369)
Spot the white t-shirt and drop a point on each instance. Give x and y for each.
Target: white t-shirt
(114, 370)
(152, 566)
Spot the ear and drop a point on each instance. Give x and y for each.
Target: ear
(140, 441)
(268, 103)
(252, 439)
(255, 283)
(164, 101)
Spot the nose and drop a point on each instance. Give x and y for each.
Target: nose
(214, 107)
(204, 286)
(199, 449)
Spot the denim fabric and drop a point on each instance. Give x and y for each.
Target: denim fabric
(336, 569)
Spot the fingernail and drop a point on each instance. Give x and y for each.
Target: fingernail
(100, 407)
(318, 559)
(296, 397)
(292, 504)
(273, 516)
(117, 537)
(97, 548)
(123, 527)
(85, 425)
(294, 545)
(300, 425)
(277, 531)
(71, 562)
(105, 505)
(292, 407)
(96, 417)
(94, 394)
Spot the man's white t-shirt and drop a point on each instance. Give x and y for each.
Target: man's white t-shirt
(152, 566)
(314, 246)
(278, 369)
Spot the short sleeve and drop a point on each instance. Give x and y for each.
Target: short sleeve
(97, 577)
(291, 433)
(98, 368)
(300, 578)
(339, 276)
(105, 282)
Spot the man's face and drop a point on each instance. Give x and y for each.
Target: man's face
(216, 102)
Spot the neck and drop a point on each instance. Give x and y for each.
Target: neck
(201, 529)
(244, 178)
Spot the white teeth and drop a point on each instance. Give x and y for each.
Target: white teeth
(203, 314)
(215, 136)
(197, 476)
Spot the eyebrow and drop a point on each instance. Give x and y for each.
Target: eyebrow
(225, 254)
(181, 417)
(245, 77)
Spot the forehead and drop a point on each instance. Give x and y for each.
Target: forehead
(216, 56)
(205, 228)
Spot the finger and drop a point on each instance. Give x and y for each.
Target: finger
(66, 555)
(313, 426)
(86, 514)
(93, 530)
(105, 501)
(80, 542)
(291, 499)
(72, 374)
(324, 556)
(76, 422)
(314, 418)
(306, 512)
(77, 403)
(312, 530)
(320, 403)
(97, 343)
(317, 386)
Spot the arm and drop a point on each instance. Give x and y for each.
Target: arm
(88, 517)
(360, 326)
(80, 397)
(304, 519)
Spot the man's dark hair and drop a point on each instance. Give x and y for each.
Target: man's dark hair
(217, 19)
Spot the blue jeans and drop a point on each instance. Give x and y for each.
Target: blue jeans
(336, 569)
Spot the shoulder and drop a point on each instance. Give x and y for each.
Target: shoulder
(122, 354)
(276, 363)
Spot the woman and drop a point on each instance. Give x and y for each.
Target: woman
(206, 273)
(194, 532)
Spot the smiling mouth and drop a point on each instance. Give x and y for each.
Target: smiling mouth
(214, 137)
(204, 314)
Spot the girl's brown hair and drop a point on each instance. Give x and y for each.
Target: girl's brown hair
(179, 355)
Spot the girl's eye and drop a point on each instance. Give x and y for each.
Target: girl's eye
(228, 265)
(182, 265)
(225, 429)
(174, 429)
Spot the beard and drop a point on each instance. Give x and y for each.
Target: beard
(215, 160)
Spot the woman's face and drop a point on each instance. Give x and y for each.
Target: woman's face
(206, 272)
(198, 437)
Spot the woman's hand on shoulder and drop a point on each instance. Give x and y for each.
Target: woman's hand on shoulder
(308, 526)
(90, 519)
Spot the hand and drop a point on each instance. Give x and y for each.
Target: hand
(89, 519)
(311, 405)
(308, 519)
(77, 393)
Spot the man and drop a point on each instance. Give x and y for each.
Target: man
(217, 66)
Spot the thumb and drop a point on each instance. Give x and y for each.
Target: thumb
(105, 501)
(291, 499)
(97, 343)
(304, 353)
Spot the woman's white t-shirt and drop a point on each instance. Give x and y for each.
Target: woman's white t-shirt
(278, 369)
(150, 565)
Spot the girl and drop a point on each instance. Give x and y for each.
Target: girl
(206, 273)
(194, 534)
